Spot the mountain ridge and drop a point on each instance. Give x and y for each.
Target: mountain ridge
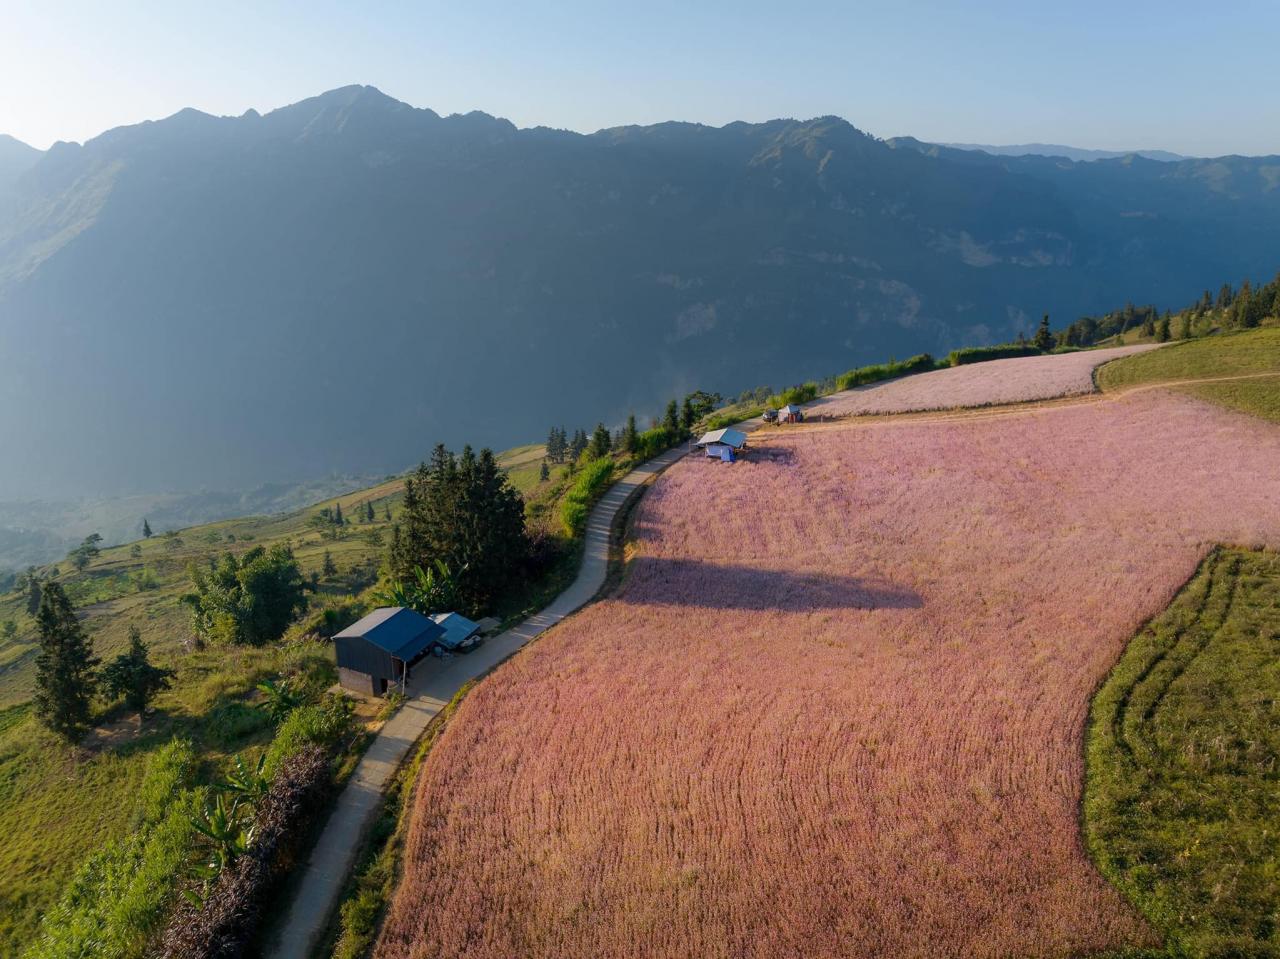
(1076, 154)
(337, 284)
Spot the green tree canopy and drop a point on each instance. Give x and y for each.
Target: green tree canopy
(1044, 338)
(247, 600)
(462, 511)
(132, 676)
(65, 681)
(601, 442)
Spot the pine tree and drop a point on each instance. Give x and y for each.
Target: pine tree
(337, 514)
(671, 420)
(544, 474)
(1044, 336)
(386, 511)
(132, 675)
(146, 529)
(630, 436)
(65, 681)
(33, 592)
(1162, 329)
(328, 569)
(463, 511)
(686, 415)
(1184, 325)
(578, 445)
(600, 442)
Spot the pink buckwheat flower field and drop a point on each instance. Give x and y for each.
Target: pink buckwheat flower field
(993, 383)
(836, 707)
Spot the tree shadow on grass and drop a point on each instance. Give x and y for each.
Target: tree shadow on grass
(678, 582)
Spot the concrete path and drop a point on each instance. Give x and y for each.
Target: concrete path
(433, 686)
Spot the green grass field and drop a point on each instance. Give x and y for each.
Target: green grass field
(58, 804)
(1261, 397)
(1182, 797)
(1224, 354)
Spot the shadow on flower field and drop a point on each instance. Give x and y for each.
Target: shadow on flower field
(659, 581)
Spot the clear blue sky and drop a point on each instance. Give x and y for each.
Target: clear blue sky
(1124, 74)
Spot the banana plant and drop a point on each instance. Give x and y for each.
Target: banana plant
(227, 837)
(247, 784)
(432, 590)
(280, 698)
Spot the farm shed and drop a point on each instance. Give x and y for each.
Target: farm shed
(791, 414)
(457, 629)
(723, 444)
(381, 648)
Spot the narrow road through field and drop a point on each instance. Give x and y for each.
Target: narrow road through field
(437, 682)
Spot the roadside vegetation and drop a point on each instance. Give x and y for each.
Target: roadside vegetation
(1181, 800)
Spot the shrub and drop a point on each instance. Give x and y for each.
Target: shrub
(227, 923)
(587, 487)
(980, 354)
(721, 420)
(324, 724)
(920, 363)
(803, 393)
(652, 442)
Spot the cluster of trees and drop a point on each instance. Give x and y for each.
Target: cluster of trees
(462, 511)
(1230, 309)
(676, 423)
(67, 673)
(248, 599)
(86, 552)
(560, 448)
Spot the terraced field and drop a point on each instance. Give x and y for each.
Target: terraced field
(837, 706)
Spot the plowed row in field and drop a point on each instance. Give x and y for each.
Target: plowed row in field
(836, 708)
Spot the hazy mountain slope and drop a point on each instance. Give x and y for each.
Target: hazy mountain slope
(218, 302)
(16, 158)
(1058, 150)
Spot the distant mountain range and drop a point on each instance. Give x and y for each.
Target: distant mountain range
(1070, 153)
(218, 302)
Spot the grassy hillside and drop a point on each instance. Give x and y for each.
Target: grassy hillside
(141, 584)
(75, 799)
(1225, 354)
(1181, 801)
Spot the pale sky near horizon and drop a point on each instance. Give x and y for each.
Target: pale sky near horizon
(1123, 74)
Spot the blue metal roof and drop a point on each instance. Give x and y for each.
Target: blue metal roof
(456, 628)
(729, 437)
(403, 633)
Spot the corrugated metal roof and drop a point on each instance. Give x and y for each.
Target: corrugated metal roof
(730, 437)
(456, 627)
(395, 629)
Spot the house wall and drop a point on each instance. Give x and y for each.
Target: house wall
(358, 654)
(358, 682)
